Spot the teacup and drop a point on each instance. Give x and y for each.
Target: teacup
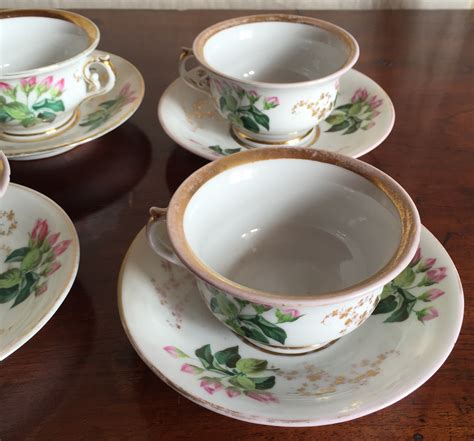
(4, 174)
(275, 77)
(46, 70)
(291, 247)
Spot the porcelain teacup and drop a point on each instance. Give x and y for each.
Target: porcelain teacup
(4, 173)
(275, 77)
(47, 68)
(291, 247)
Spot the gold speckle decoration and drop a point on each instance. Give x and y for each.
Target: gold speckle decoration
(319, 108)
(8, 222)
(201, 108)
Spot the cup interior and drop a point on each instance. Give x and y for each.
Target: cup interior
(292, 226)
(32, 42)
(277, 51)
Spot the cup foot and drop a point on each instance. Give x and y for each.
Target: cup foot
(306, 140)
(285, 350)
(45, 134)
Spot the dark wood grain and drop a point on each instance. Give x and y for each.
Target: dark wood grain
(79, 378)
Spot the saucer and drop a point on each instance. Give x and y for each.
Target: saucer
(96, 117)
(189, 118)
(39, 258)
(394, 352)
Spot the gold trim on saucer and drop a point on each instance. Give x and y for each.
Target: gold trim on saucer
(46, 134)
(237, 133)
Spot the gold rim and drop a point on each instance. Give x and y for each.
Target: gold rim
(62, 292)
(407, 211)
(133, 107)
(237, 134)
(91, 30)
(348, 40)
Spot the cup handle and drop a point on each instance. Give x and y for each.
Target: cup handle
(158, 236)
(5, 174)
(92, 80)
(199, 80)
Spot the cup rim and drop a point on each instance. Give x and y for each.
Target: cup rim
(409, 219)
(90, 28)
(202, 38)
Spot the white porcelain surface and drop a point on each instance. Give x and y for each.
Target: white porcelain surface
(42, 92)
(28, 43)
(39, 258)
(4, 173)
(372, 368)
(190, 119)
(292, 226)
(127, 94)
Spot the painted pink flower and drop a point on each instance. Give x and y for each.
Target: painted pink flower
(360, 95)
(293, 312)
(40, 230)
(273, 100)
(431, 295)
(175, 352)
(46, 82)
(264, 397)
(58, 88)
(4, 86)
(52, 239)
(211, 386)
(436, 275)
(53, 268)
(190, 369)
(375, 102)
(427, 264)
(61, 247)
(416, 258)
(253, 93)
(375, 113)
(41, 289)
(27, 84)
(232, 392)
(427, 314)
(369, 125)
(127, 94)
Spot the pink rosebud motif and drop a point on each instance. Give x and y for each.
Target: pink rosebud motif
(427, 314)
(427, 264)
(360, 95)
(232, 392)
(264, 397)
(190, 369)
(27, 84)
(40, 230)
(431, 295)
(41, 289)
(416, 258)
(369, 125)
(47, 81)
(292, 312)
(52, 239)
(273, 101)
(53, 268)
(175, 352)
(375, 113)
(58, 88)
(435, 275)
(61, 247)
(375, 102)
(253, 93)
(4, 86)
(127, 94)
(211, 386)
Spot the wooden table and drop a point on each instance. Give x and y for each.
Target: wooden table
(80, 379)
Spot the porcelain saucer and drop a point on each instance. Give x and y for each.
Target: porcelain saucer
(394, 352)
(39, 258)
(96, 117)
(189, 118)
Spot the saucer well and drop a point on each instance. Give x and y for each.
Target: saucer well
(39, 258)
(362, 119)
(96, 116)
(407, 339)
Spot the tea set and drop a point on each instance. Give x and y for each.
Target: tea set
(287, 283)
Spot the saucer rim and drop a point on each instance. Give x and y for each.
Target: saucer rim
(62, 293)
(211, 156)
(293, 422)
(32, 153)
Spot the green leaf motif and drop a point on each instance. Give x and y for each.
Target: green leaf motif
(4, 116)
(31, 259)
(17, 255)
(7, 294)
(54, 105)
(10, 278)
(285, 318)
(406, 278)
(231, 103)
(255, 334)
(341, 126)
(386, 305)
(228, 357)
(263, 383)
(222, 103)
(17, 110)
(226, 306)
(336, 118)
(30, 121)
(271, 330)
(260, 309)
(26, 287)
(47, 116)
(205, 356)
(217, 149)
(355, 109)
(250, 124)
(245, 382)
(261, 118)
(401, 313)
(251, 365)
(344, 107)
